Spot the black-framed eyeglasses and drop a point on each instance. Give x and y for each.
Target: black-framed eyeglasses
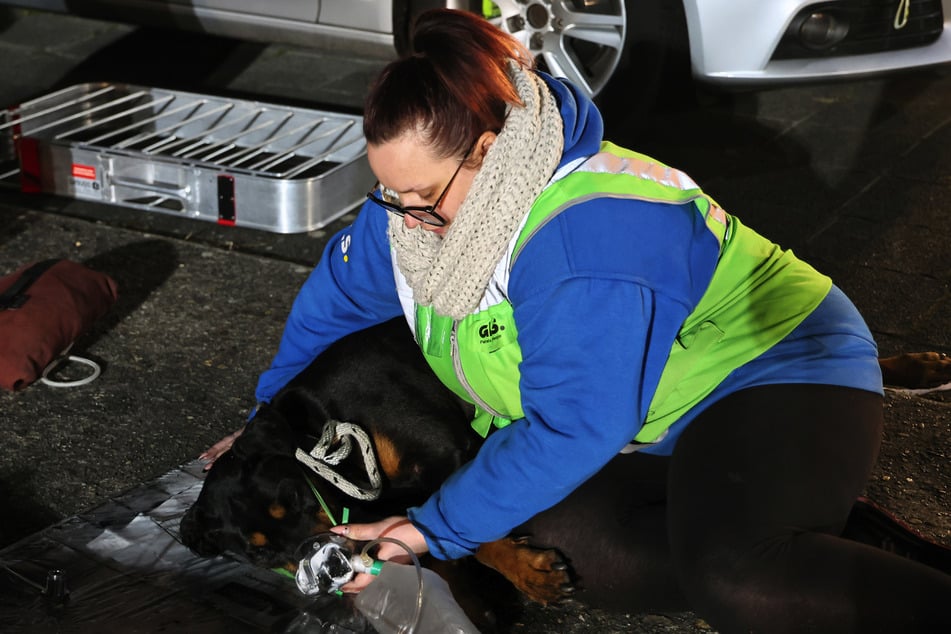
(390, 200)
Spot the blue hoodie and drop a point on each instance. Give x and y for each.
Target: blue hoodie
(599, 295)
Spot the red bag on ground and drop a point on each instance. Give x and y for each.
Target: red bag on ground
(44, 307)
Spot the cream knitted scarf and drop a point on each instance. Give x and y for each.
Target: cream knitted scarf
(452, 272)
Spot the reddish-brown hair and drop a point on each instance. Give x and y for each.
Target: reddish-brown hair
(451, 88)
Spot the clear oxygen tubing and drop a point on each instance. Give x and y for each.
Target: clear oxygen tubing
(418, 610)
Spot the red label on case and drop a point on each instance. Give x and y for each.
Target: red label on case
(84, 171)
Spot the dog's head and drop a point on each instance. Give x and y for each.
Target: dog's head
(259, 503)
(256, 502)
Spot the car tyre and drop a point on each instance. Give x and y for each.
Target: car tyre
(653, 73)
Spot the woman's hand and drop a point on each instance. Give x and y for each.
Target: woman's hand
(218, 449)
(398, 528)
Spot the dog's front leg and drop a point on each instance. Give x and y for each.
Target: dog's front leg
(917, 370)
(540, 573)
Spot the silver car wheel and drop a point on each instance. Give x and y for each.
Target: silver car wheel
(582, 40)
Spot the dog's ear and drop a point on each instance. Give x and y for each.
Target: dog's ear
(302, 410)
(267, 433)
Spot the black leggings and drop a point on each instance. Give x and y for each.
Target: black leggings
(741, 524)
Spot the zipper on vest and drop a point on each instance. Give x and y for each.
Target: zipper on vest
(461, 375)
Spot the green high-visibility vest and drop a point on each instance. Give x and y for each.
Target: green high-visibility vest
(478, 357)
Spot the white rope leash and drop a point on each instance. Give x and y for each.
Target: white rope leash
(321, 458)
(65, 357)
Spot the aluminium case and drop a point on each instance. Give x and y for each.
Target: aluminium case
(235, 162)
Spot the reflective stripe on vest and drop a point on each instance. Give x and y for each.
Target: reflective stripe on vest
(478, 356)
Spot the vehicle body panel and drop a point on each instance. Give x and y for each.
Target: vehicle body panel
(716, 27)
(731, 42)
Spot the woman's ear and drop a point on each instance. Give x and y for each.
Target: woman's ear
(482, 145)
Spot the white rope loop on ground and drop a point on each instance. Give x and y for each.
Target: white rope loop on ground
(96, 370)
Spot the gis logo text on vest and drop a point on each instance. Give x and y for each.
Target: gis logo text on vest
(487, 330)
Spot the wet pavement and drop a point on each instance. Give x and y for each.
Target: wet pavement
(853, 176)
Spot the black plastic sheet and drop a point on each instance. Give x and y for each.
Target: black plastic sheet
(121, 568)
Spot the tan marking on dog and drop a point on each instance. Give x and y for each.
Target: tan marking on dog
(258, 539)
(277, 511)
(323, 523)
(387, 455)
(916, 370)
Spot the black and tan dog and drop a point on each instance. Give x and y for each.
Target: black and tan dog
(259, 502)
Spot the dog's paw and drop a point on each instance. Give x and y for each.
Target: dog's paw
(916, 369)
(539, 573)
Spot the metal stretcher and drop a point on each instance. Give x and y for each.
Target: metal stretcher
(234, 162)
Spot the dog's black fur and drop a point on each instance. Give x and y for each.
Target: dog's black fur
(256, 502)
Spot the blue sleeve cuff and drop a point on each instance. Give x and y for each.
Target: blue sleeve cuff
(425, 516)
